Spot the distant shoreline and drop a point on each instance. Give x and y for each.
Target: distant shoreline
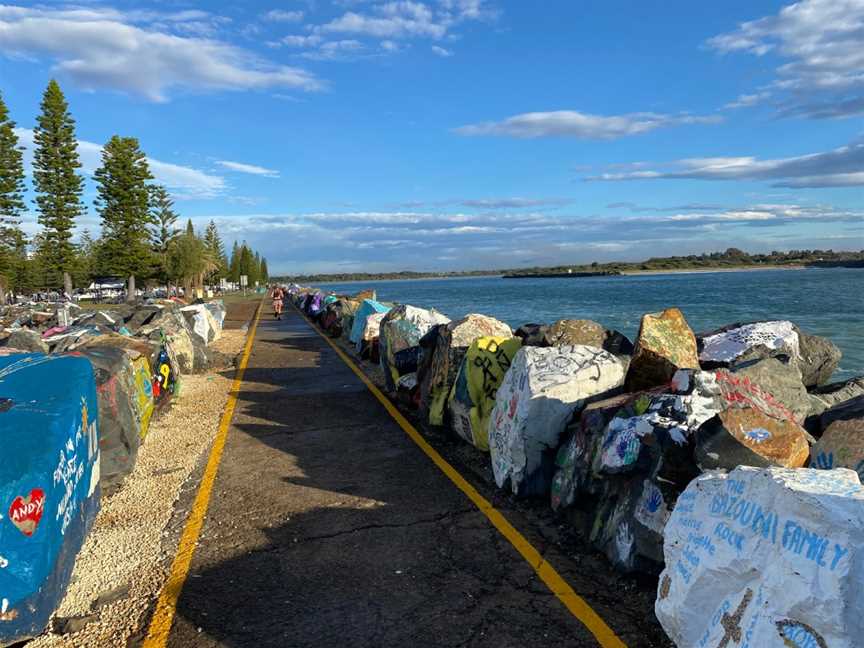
(709, 270)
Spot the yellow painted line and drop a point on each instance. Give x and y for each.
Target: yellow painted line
(163, 616)
(578, 606)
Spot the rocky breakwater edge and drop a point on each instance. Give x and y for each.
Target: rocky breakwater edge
(104, 415)
(722, 463)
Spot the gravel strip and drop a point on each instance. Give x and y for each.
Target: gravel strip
(126, 557)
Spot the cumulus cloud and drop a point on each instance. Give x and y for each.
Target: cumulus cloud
(442, 52)
(403, 19)
(841, 167)
(570, 123)
(99, 48)
(252, 169)
(184, 181)
(821, 46)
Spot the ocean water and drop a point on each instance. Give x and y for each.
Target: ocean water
(826, 302)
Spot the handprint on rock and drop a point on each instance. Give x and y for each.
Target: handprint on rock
(654, 501)
(624, 542)
(825, 461)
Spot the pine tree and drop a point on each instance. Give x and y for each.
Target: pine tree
(11, 194)
(58, 186)
(123, 203)
(234, 266)
(264, 274)
(164, 219)
(217, 250)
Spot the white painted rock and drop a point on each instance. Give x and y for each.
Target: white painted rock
(533, 405)
(765, 557)
(730, 345)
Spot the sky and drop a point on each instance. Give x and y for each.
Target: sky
(369, 135)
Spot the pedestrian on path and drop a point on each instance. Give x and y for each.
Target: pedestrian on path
(277, 296)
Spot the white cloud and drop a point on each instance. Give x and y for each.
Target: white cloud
(301, 41)
(841, 167)
(440, 51)
(404, 19)
(335, 50)
(279, 15)
(252, 169)
(104, 49)
(570, 123)
(185, 182)
(822, 45)
(747, 100)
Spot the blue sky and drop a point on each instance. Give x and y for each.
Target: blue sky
(343, 135)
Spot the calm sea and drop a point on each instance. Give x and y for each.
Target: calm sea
(827, 302)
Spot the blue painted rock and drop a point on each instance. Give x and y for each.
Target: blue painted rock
(49, 483)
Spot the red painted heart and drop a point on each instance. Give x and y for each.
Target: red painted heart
(26, 512)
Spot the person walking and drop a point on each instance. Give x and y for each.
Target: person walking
(277, 296)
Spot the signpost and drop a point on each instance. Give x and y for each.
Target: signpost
(244, 281)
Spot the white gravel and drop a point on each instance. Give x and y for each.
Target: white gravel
(125, 547)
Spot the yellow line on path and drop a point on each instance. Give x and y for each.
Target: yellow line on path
(605, 636)
(163, 616)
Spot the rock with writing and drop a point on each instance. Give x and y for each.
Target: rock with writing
(782, 380)
(451, 342)
(367, 308)
(765, 557)
(204, 326)
(665, 344)
(49, 483)
(371, 330)
(568, 332)
(749, 437)
(473, 396)
(540, 392)
(842, 442)
(753, 341)
(401, 329)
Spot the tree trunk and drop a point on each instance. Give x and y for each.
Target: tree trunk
(67, 284)
(187, 288)
(130, 289)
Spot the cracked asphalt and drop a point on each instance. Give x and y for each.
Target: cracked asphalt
(329, 527)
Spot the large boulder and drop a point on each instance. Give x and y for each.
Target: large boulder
(816, 357)
(570, 332)
(371, 331)
(49, 483)
(119, 416)
(842, 441)
(473, 396)
(26, 340)
(664, 345)
(202, 323)
(765, 557)
(368, 307)
(538, 396)
(451, 342)
(823, 398)
(401, 329)
(532, 334)
(782, 380)
(748, 437)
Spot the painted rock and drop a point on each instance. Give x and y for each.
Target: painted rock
(371, 330)
(765, 557)
(665, 344)
(451, 344)
(401, 329)
(27, 340)
(782, 380)
(580, 331)
(841, 446)
(535, 401)
(748, 437)
(368, 307)
(754, 341)
(49, 484)
(473, 396)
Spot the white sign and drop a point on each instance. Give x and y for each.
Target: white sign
(244, 280)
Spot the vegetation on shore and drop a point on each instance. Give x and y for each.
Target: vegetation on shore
(732, 258)
(139, 234)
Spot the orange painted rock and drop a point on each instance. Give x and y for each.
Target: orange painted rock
(748, 437)
(665, 344)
